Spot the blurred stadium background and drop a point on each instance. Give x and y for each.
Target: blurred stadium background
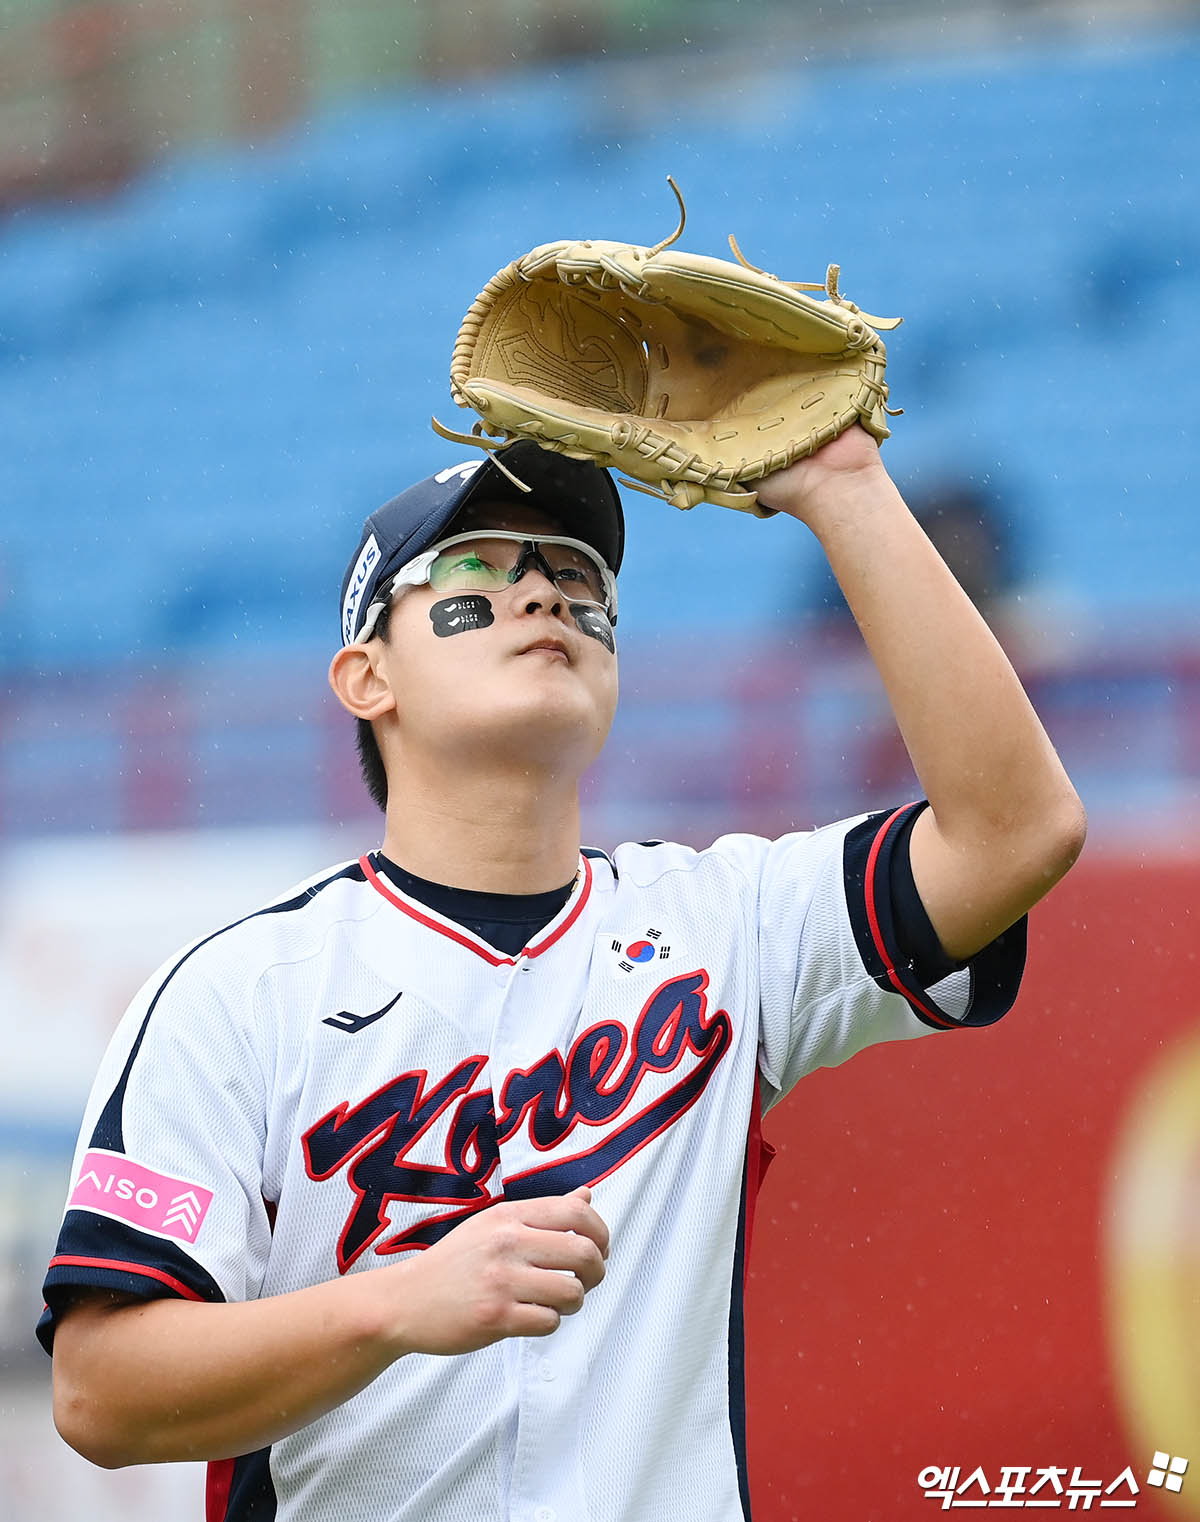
(235, 245)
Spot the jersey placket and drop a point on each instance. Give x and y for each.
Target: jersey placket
(550, 1372)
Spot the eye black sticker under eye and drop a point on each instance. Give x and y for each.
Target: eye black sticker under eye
(592, 622)
(458, 614)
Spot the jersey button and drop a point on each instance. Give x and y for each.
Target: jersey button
(545, 1368)
(545, 1514)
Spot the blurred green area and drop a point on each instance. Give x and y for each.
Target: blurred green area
(90, 91)
(93, 90)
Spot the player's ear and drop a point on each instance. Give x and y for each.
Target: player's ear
(361, 686)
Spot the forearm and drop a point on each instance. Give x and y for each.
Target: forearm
(982, 756)
(1004, 822)
(144, 1383)
(170, 1380)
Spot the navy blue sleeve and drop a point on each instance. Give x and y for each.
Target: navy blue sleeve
(896, 941)
(916, 939)
(94, 1252)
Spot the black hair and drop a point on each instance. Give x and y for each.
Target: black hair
(369, 759)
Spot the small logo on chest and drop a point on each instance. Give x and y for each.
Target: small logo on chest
(649, 948)
(352, 1024)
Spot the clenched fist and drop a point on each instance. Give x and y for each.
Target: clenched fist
(513, 1270)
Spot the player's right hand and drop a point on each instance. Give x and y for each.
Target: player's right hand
(513, 1270)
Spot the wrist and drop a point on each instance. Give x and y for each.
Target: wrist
(827, 500)
(846, 471)
(384, 1317)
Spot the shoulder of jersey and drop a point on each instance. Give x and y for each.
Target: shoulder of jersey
(286, 928)
(646, 861)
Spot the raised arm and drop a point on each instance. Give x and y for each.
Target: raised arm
(1004, 823)
(143, 1382)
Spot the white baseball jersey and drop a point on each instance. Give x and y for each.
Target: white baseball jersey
(345, 1075)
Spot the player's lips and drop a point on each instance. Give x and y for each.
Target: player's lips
(550, 643)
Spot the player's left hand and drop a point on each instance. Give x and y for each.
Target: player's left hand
(804, 485)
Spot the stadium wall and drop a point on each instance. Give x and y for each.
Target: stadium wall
(983, 1251)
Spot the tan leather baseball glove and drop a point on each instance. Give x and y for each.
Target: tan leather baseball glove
(695, 376)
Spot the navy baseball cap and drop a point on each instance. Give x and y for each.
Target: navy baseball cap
(580, 495)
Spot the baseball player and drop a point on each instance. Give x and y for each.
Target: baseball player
(425, 1192)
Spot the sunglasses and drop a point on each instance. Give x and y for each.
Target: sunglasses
(493, 559)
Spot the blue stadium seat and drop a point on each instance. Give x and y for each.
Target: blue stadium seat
(210, 379)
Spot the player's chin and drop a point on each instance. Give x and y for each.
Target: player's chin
(563, 715)
(567, 711)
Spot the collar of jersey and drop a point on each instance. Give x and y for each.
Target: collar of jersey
(430, 918)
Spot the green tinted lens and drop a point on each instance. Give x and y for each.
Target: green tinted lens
(467, 568)
(486, 565)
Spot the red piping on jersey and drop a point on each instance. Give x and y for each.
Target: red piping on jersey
(218, 1482)
(760, 1154)
(935, 1015)
(180, 1288)
(480, 950)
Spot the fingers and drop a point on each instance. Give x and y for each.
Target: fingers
(533, 1321)
(568, 1212)
(558, 1292)
(577, 1254)
(512, 1270)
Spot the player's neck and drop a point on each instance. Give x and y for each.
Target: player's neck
(518, 835)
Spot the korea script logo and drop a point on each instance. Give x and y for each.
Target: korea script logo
(596, 1082)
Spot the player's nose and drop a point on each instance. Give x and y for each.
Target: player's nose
(538, 594)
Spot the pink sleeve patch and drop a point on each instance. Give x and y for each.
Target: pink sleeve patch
(113, 1185)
